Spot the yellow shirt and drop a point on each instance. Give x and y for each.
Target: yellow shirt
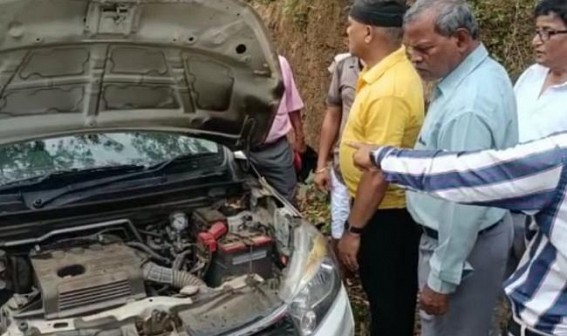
(388, 110)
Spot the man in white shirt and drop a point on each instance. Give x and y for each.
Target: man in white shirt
(541, 92)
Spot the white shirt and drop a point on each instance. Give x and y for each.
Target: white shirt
(539, 116)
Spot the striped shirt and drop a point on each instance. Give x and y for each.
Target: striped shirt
(530, 178)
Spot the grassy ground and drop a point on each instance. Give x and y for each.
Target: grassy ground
(315, 208)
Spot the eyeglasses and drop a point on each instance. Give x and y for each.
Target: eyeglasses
(545, 35)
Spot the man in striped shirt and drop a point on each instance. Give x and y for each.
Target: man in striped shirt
(531, 178)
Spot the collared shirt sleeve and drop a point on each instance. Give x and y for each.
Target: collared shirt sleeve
(522, 178)
(293, 99)
(386, 120)
(459, 224)
(334, 94)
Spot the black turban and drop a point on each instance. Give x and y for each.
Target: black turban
(379, 13)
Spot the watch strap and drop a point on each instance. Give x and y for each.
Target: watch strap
(351, 229)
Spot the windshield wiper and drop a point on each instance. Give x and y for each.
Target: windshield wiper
(93, 173)
(54, 176)
(43, 201)
(142, 172)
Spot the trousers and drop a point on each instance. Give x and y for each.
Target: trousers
(387, 259)
(471, 306)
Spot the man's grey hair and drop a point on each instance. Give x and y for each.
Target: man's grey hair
(451, 15)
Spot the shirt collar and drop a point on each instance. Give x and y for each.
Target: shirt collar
(353, 65)
(468, 65)
(544, 71)
(371, 75)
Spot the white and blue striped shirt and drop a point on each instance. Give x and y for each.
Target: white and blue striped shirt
(531, 178)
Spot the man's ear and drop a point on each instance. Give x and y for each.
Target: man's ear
(462, 38)
(369, 34)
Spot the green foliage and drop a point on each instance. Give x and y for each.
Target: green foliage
(507, 29)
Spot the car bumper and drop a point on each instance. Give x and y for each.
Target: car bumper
(339, 321)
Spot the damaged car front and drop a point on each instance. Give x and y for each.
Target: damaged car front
(123, 208)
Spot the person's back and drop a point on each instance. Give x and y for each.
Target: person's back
(274, 159)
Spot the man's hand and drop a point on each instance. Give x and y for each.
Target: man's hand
(361, 157)
(348, 250)
(323, 179)
(345, 273)
(299, 143)
(433, 303)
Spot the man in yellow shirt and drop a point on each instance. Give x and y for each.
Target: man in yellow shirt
(388, 110)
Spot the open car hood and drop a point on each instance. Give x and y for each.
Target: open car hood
(193, 66)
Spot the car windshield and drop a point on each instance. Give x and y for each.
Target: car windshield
(37, 158)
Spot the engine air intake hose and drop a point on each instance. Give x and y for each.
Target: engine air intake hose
(175, 278)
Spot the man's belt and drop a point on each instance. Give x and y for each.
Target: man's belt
(433, 234)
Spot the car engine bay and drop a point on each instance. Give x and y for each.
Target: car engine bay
(211, 260)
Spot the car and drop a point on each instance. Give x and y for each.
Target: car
(127, 203)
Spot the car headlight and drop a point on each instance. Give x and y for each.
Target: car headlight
(313, 280)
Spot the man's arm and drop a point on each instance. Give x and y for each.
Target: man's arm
(388, 119)
(370, 192)
(294, 104)
(297, 124)
(385, 124)
(330, 128)
(329, 134)
(522, 178)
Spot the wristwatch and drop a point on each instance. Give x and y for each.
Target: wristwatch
(351, 229)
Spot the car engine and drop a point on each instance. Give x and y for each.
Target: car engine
(182, 252)
(86, 278)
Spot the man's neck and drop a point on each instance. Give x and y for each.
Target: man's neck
(377, 54)
(558, 75)
(471, 49)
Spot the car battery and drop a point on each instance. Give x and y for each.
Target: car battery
(237, 256)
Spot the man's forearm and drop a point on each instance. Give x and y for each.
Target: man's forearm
(369, 194)
(329, 133)
(296, 123)
(461, 177)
